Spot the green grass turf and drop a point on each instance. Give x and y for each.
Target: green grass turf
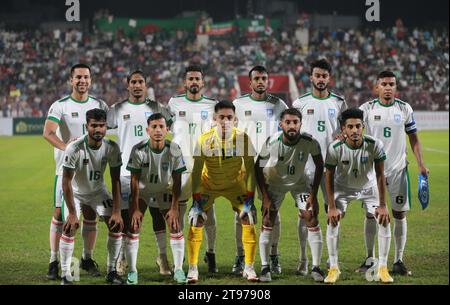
(26, 200)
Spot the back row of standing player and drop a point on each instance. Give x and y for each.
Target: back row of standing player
(191, 114)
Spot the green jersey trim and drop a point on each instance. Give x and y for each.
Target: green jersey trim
(79, 102)
(63, 99)
(52, 118)
(180, 170)
(191, 100)
(135, 104)
(338, 144)
(380, 159)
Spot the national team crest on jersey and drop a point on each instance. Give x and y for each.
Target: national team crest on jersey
(332, 113)
(270, 113)
(397, 118)
(204, 115)
(165, 165)
(310, 111)
(74, 114)
(248, 113)
(126, 116)
(364, 159)
(148, 113)
(182, 114)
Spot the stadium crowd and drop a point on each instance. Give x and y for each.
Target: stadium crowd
(33, 64)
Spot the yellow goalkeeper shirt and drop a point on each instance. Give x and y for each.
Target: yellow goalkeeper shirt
(219, 163)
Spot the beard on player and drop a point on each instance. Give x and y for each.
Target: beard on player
(291, 134)
(320, 86)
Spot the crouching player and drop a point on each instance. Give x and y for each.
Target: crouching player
(84, 188)
(156, 166)
(280, 168)
(220, 155)
(350, 176)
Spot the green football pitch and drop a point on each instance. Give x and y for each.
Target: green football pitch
(26, 200)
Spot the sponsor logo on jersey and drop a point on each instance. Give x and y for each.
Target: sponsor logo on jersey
(126, 116)
(165, 165)
(204, 115)
(301, 156)
(331, 112)
(397, 118)
(148, 113)
(182, 114)
(310, 111)
(270, 113)
(345, 162)
(377, 117)
(364, 159)
(248, 113)
(85, 161)
(74, 114)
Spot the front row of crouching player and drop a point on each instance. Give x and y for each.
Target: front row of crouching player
(224, 167)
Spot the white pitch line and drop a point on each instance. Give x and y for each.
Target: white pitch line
(436, 150)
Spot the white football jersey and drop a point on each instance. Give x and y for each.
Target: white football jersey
(390, 124)
(190, 119)
(284, 164)
(71, 117)
(130, 119)
(90, 164)
(156, 167)
(355, 167)
(259, 119)
(320, 118)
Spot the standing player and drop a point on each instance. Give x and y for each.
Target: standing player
(279, 169)
(65, 122)
(350, 176)
(130, 118)
(390, 119)
(156, 166)
(221, 154)
(193, 114)
(84, 164)
(320, 110)
(257, 115)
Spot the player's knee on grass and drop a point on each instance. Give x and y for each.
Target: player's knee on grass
(398, 215)
(159, 222)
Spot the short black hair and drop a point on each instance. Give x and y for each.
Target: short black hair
(140, 72)
(321, 64)
(193, 69)
(260, 69)
(96, 114)
(155, 116)
(351, 113)
(77, 66)
(224, 105)
(386, 73)
(291, 111)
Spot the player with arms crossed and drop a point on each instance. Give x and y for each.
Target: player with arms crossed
(220, 157)
(84, 164)
(66, 122)
(320, 110)
(193, 114)
(350, 175)
(257, 115)
(279, 169)
(156, 166)
(390, 119)
(130, 118)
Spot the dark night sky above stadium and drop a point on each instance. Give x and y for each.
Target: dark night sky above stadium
(418, 12)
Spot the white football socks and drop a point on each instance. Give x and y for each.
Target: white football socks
(264, 244)
(114, 243)
(302, 237)
(370, 230)
(315, 244)
(177, 246)
(132, 251)
(332, 244)
(400, 231)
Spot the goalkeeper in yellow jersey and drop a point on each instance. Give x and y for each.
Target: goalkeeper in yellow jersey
(221, 155)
